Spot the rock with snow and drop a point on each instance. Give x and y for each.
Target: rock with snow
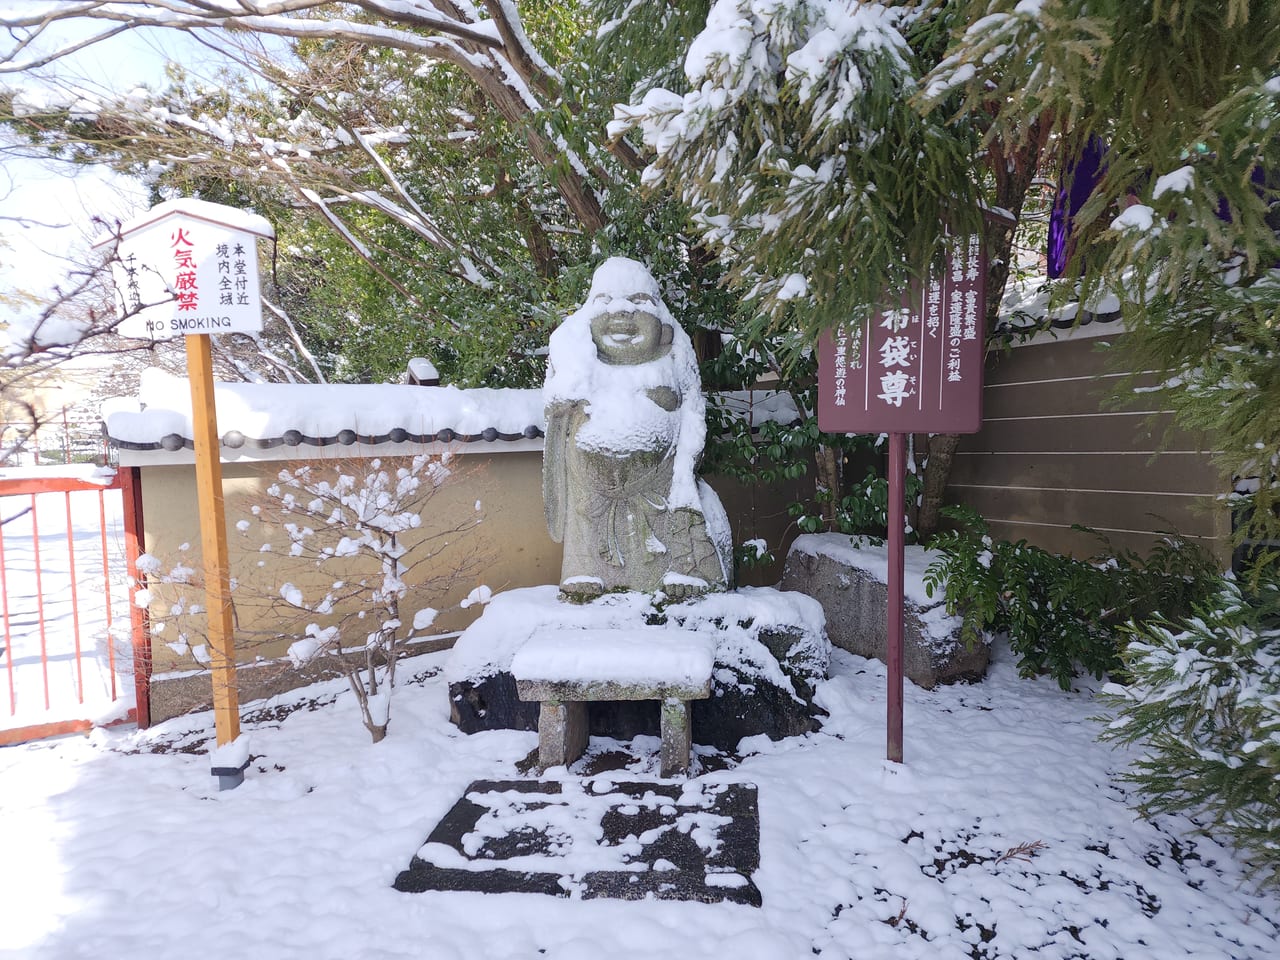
(849, 576)
(770, 652)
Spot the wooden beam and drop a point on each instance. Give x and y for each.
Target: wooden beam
(130, 480)
(56, 728)
(213, 538)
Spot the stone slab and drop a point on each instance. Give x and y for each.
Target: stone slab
(582, 840)
(646, 658)
(605, 689)
(855, 602)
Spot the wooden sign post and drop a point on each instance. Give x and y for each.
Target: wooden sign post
(190, 268)
(911, 367)
(213, 543)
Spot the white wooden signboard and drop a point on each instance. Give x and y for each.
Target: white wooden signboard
(189, 267)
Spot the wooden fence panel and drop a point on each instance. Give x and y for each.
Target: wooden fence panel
(1056, 449)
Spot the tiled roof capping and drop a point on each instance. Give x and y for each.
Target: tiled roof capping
(235, 440)
(265, 417)
(1025, 308)
(262, 417)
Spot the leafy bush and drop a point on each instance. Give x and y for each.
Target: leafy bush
(1061, 614)
(1203, 698)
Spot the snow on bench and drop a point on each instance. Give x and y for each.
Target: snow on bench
(564, 670)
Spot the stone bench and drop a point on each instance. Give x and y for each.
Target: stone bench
(565, 669)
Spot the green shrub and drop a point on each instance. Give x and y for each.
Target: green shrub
(1061, 615)
(1203, 698)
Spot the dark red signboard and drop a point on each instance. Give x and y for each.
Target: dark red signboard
(916, 368)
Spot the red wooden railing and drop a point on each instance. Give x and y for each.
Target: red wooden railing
(55, 681)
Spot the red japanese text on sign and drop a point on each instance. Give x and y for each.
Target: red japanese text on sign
(186, 286)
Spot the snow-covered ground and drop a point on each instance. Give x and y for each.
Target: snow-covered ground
(55, 659)
(1003, 835)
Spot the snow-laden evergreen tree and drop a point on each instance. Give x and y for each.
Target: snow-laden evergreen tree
(790, 138)
(1203, 702)
(816, 142)
(821, 144)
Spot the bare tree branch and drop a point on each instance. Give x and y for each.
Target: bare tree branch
(277, 19)
(495, 53)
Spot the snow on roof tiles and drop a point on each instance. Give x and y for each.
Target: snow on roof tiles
(256, 417)
(261, 416)
(1026, 307)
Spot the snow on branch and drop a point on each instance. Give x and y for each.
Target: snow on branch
(524, 56)
(356, 559)
(322, 206)
(295, 338)
(986, 41)
(489, 45)
(789, 143)
(365, 527)
(284, 18)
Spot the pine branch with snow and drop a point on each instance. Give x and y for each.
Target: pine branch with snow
(1203, 703)
(789, 147)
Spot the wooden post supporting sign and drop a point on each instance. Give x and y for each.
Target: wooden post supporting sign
(893, 615)
(213, 539)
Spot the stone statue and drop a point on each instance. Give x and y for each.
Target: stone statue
(625, 431)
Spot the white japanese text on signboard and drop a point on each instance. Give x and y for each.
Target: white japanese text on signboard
(913, 367)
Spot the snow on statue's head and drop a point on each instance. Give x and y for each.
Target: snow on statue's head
(622, 336)
(629, 323)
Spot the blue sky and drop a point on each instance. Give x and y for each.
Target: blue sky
(60, 201)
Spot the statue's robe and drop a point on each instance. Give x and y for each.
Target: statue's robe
(620, 531)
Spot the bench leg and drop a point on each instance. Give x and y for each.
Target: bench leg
(562, 733)
(677, 738)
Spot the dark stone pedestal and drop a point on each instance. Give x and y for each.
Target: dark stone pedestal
(710, 864)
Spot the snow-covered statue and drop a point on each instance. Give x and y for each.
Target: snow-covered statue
(625, 430)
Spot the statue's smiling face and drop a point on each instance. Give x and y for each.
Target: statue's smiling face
(629, 330)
